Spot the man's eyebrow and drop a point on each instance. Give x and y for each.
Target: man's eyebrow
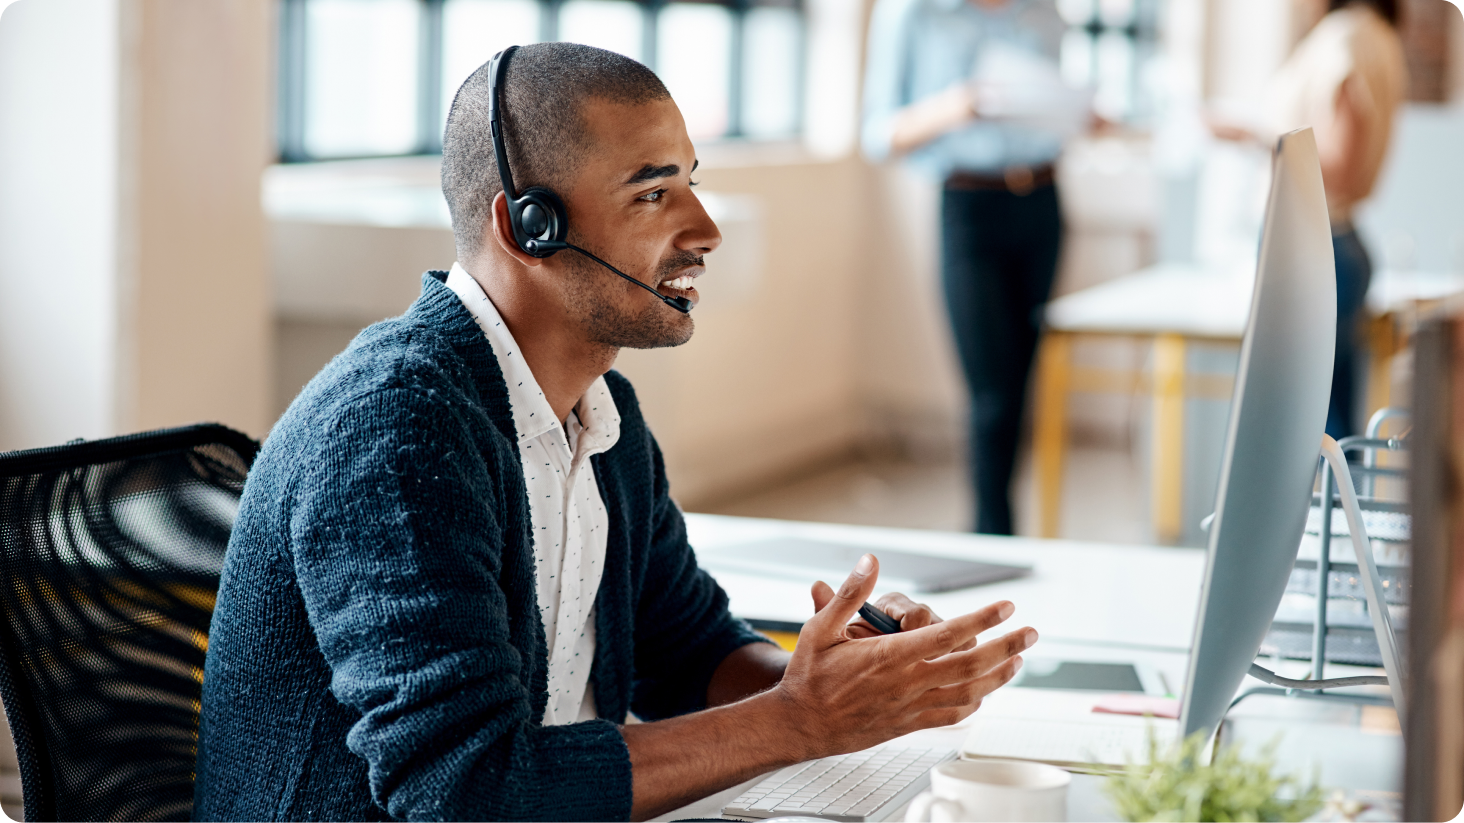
(648, 173)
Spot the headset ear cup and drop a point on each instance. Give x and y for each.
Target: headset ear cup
(538, 214)
(534, 220)
(557, 227)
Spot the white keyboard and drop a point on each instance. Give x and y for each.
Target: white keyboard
(865, 785)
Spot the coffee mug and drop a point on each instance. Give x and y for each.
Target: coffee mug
(988, 790)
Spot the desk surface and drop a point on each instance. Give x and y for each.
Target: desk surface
(1142, 597)
(1088, 601)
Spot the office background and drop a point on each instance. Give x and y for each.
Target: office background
(159, 264)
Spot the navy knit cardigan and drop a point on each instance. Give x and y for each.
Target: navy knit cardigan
(377, 650)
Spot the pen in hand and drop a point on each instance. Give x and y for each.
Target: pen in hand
(878, 619)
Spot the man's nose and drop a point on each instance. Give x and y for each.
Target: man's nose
(702, 235)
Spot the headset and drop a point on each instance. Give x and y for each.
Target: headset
(537, 215)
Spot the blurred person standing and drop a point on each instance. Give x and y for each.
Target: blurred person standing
(929, 95)
(1345, 79)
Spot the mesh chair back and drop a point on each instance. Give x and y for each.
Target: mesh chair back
(110, 553)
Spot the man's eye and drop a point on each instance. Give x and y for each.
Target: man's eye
(653, 196)
(692, 183)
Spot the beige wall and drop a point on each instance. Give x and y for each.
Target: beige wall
(58, 210)
(195, 304)
(133, 282)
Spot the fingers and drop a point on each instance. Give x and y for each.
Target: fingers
(844, 603)
(940, 638)
(968, 695)
(822, 594)
(962, 667)
(911, 615)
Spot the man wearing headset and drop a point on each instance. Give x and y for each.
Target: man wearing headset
(456, 570)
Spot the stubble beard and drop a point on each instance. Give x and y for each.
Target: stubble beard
(653, 326)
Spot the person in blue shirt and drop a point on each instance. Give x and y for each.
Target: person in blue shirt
(1001, 228)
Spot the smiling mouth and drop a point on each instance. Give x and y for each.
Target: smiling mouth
(684, 283)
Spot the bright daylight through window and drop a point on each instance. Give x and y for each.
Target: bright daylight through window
(375, 78)
(1111, 46)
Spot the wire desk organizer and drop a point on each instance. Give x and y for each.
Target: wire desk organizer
(1388, 521)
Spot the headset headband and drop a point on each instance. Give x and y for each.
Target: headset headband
(499, 70)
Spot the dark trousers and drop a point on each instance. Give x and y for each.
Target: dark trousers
(998, 260)
(1354, 274)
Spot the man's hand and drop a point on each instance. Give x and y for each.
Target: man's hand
(842, 691)
(911, 615)
(846, 691)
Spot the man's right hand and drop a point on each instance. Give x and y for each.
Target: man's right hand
(845, 693)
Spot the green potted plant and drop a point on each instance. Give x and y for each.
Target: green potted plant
(1178, 785)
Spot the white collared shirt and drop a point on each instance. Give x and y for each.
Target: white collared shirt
(565, 509)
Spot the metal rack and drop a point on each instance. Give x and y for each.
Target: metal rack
(1372, 523)
(1386, 521)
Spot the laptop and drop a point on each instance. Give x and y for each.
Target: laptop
(808, 560)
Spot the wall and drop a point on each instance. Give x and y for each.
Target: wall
(194, 307)
(58, 128)
(133, 290)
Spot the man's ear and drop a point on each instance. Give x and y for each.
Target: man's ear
(502, 231)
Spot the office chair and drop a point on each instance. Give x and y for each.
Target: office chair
(110, 553)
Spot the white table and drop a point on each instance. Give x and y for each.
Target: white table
(1141, 597)
(1169, 304)
(1088, 601)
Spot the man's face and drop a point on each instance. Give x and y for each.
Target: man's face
(632, 205)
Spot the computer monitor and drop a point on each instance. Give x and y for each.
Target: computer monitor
(1277, 417)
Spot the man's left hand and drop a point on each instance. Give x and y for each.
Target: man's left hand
(910, 614)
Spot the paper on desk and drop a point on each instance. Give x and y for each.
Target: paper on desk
(1021, 86)
(1138, 705)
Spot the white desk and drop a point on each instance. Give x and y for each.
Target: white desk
(1170, 304)
(1088, 601)
(1142, 597)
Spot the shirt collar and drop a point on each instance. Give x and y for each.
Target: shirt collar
(532, 414)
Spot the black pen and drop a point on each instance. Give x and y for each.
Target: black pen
(878, 619)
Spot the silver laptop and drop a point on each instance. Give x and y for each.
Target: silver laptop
(808, 560)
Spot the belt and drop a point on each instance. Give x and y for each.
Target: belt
(1018, 180)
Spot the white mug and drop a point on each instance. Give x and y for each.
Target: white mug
(988, 790)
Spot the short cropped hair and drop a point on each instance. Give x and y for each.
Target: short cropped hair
(544, 129)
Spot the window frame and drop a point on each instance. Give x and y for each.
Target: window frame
(292, 81)
(1142, 31)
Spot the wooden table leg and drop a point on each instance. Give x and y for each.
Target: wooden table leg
(1167, 443)
(1054, 375)
(1382, 340)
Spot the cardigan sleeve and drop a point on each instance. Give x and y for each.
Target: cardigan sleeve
(683, 629)
(396, 537)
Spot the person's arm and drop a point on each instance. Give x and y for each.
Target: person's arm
(893, 124)
(750, 669)
(937, 115)
(1340, 144)
(398, 544)
(840, 693)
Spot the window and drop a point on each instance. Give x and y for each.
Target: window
(375, 78)
(1111, 47)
